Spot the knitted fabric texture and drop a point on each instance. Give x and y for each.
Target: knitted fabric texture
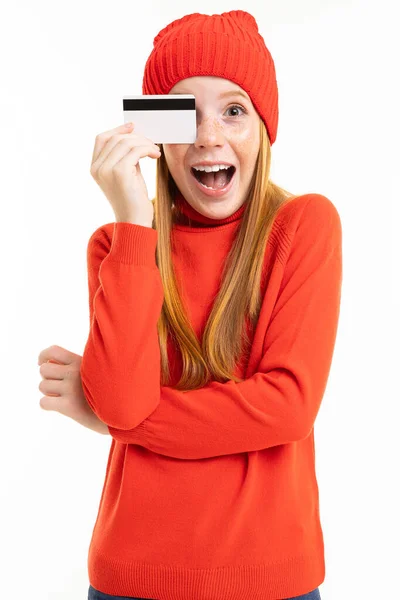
(228, 45)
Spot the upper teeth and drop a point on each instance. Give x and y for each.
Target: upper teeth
(209, 168)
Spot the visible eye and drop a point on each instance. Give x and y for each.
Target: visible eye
(235, 106)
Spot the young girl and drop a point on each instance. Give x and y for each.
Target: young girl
(213, 318)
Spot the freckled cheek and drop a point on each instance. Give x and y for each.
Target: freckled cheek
(245, 148)
(175, 160)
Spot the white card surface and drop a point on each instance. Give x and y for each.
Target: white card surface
(164, 119)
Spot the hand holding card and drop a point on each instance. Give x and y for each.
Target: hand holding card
(115, 168)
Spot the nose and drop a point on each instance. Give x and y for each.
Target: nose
(209, 133)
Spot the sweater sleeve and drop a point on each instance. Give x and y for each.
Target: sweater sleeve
(120, 367)
(280, 402)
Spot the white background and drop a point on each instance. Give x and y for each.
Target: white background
(64, 70)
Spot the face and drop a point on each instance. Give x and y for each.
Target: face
(227, 132)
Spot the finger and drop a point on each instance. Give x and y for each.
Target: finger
(56, 353)
(52, 371)
(51, 387)
(111, 155)
(102, 139)
(126, 162)
(50, 403)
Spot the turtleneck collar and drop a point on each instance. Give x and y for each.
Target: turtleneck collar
(199, 220)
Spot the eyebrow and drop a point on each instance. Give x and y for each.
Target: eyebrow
(234, 93)
(224, 94)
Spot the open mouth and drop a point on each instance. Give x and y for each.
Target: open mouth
(214, 180)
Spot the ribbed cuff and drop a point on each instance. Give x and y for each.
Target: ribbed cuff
(133, 244)
(131, 436)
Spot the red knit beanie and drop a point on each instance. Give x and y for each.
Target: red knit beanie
(227, 45)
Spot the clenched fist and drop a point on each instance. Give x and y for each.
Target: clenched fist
(61, 383)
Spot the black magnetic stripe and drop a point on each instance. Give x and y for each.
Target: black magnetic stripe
(159, 104)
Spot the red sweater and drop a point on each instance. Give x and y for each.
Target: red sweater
(212, 494)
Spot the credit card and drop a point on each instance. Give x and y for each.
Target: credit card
(164, 118)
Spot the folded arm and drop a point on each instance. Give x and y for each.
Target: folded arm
(277, 405)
